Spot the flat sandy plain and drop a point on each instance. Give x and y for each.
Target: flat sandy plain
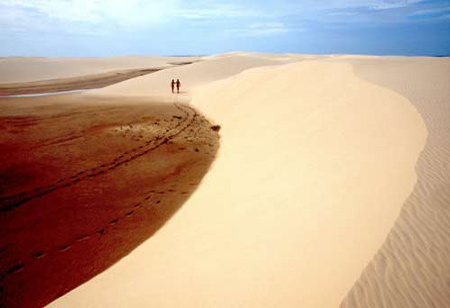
(327, 186)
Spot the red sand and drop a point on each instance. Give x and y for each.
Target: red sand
(87, 183)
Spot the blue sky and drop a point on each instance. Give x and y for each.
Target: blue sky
(176, 27)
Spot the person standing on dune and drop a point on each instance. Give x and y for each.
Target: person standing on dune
(173, 85)
(178, 85)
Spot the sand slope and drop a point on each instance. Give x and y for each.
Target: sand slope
(88, 181)
(191, 76)
(24, 69)
(314, 166)
(412, 268)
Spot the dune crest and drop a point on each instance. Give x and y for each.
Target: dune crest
(411, 268)
(314, 166)
(192, 77)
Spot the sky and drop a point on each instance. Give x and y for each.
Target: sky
(177, 27)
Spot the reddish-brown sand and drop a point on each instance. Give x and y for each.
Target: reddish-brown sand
(83, 182)
(73, 83)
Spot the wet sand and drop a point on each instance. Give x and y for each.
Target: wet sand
(89, 180)
(94, 81)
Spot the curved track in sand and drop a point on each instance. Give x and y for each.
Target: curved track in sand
(10, 202)
(59, 235)
(190, 115)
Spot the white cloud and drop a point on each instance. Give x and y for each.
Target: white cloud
(261, 29)
(218, 11)
(439, 10)
(125, 13)
(70, 10)
(371, 4)
(136, 14)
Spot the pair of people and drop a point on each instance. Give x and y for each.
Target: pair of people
(175, 83)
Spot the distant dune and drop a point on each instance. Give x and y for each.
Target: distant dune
(192, 76)
(24, 69)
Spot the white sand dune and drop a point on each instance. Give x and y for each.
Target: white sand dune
(412, 268)
(25, 69)
(192, 76)
(314, 167)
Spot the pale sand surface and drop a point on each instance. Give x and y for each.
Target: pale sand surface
(412, 269)
(192, 76)
(24, 69)
(314, 167)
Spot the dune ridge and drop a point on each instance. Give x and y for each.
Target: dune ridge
(412, 267)
(31, 69)
(192, 77)
(314, 166)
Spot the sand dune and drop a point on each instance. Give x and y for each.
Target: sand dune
(24, 69)
(411, 269)
(192, 76)
(318, 197)
(314, 167)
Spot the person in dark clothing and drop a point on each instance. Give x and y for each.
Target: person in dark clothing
(173, 85)
(178, 85)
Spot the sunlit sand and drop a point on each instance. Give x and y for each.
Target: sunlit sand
(327, 186)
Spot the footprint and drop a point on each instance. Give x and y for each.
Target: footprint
(38, 254)
(64, 248)
(15, 269)
(114, 221)
(83, 238)
(101, 231)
